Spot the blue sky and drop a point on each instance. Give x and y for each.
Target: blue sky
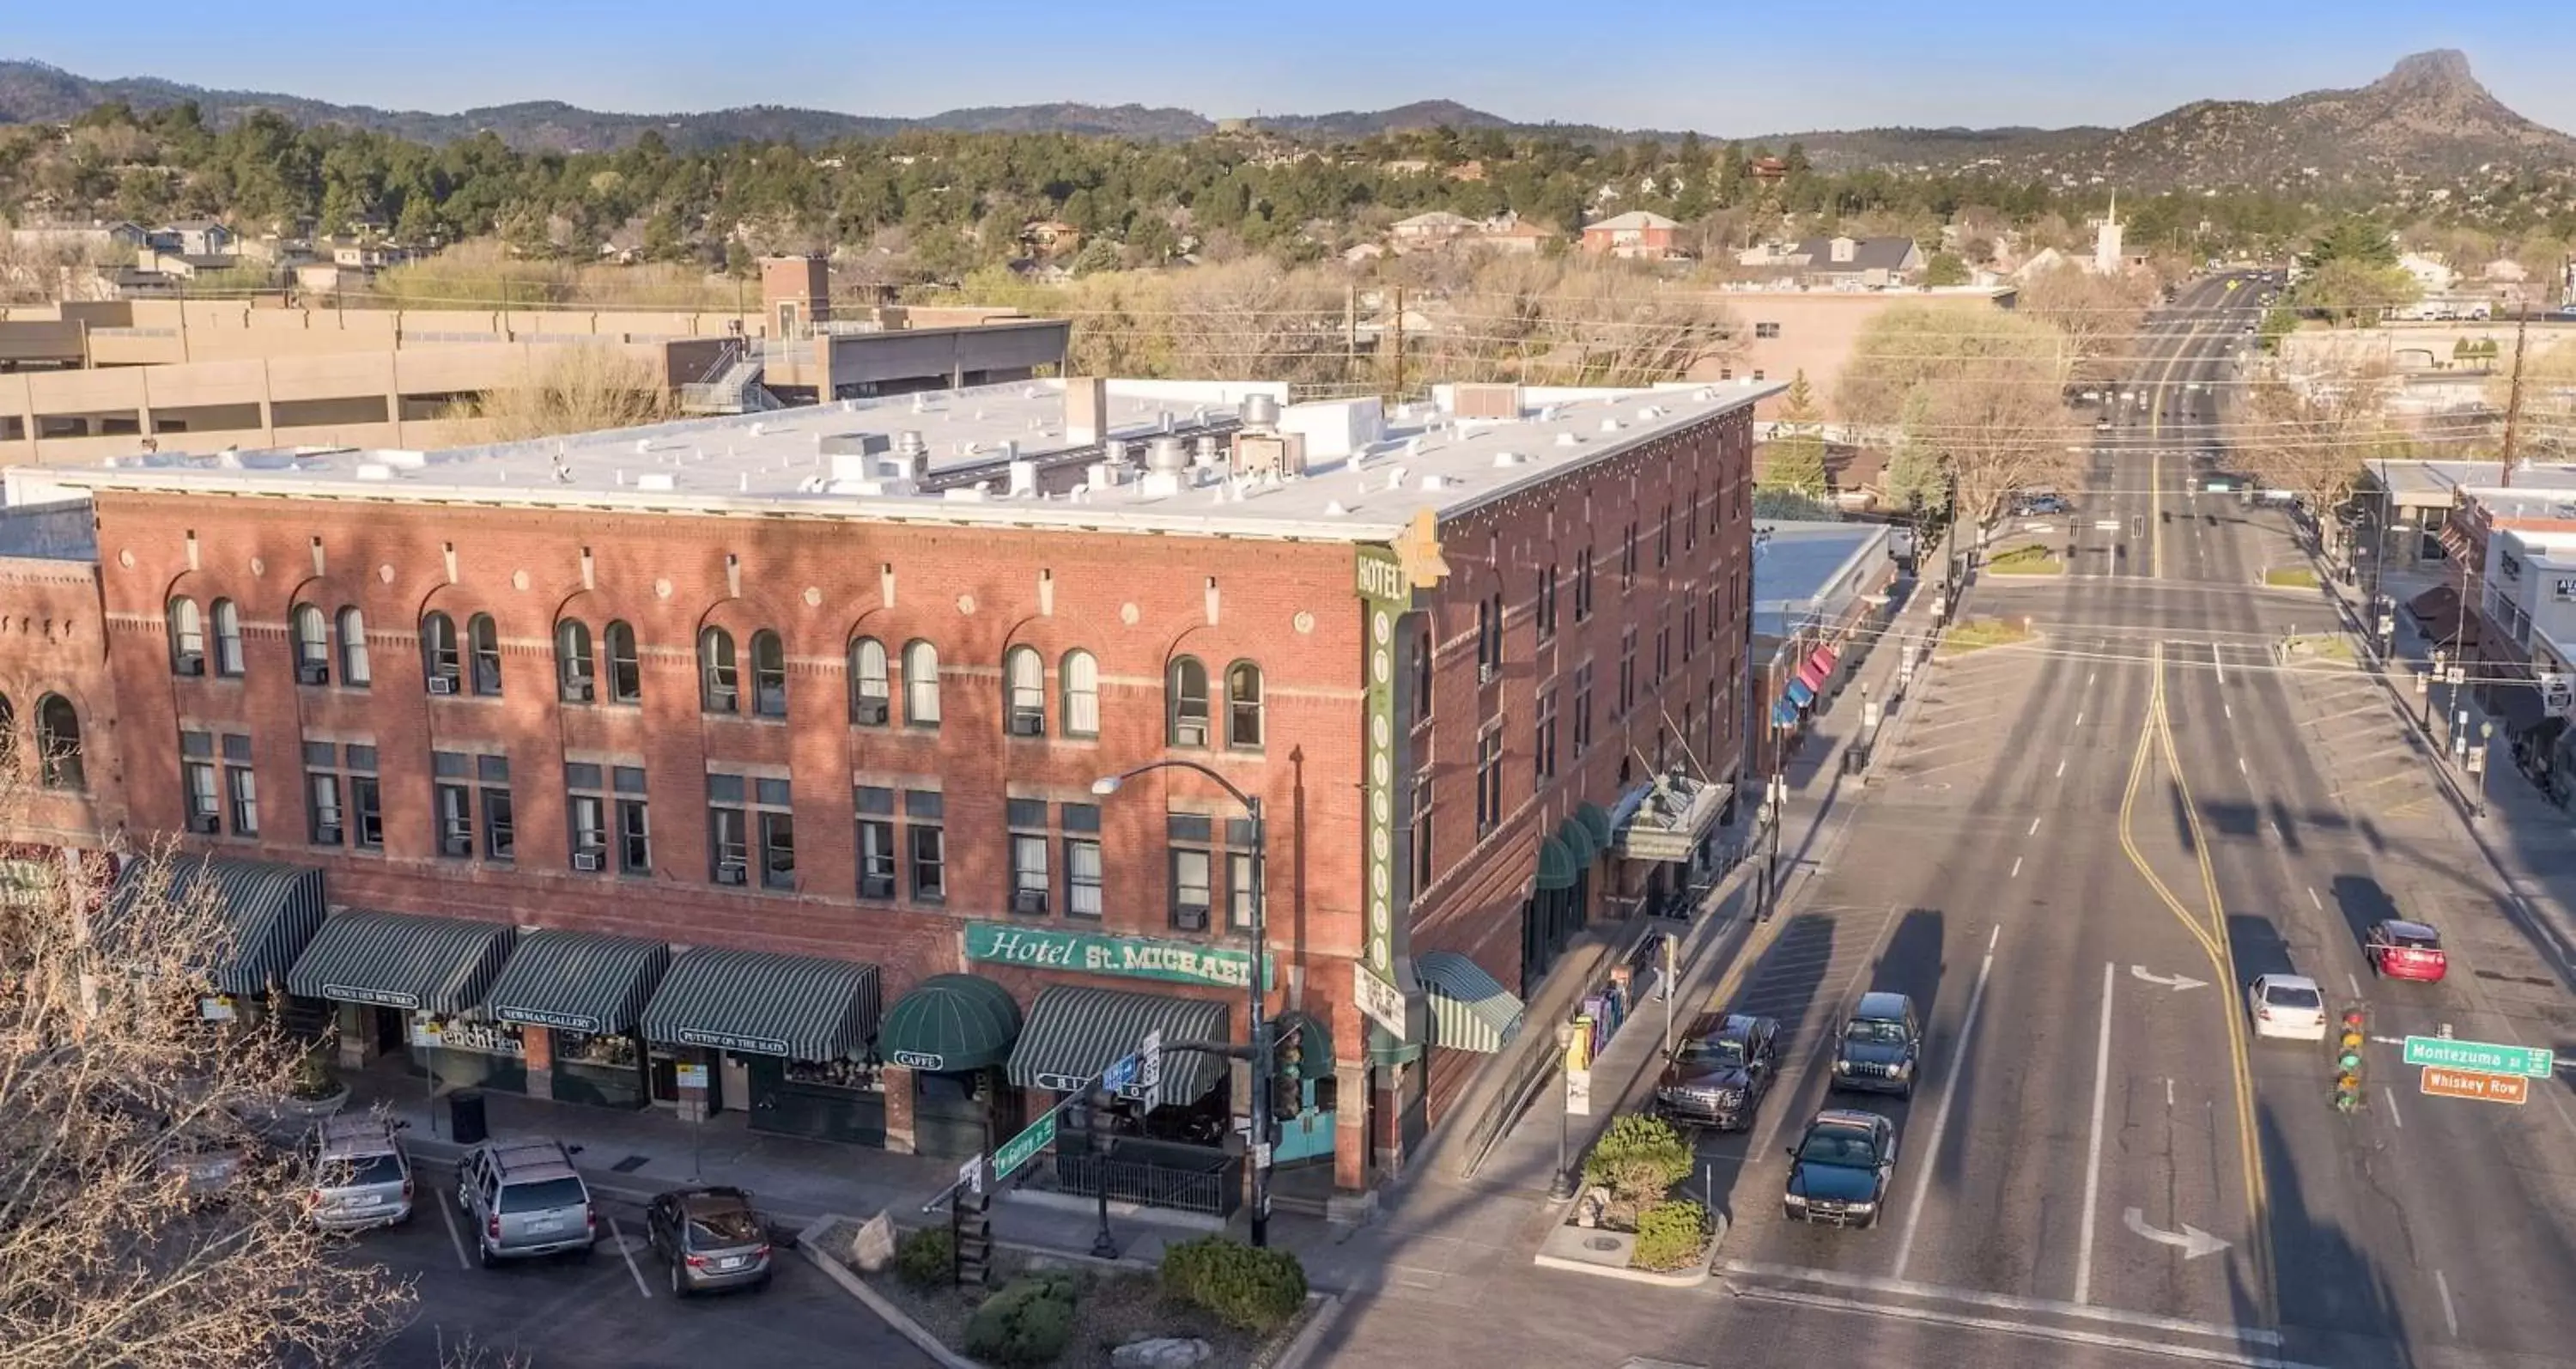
(1724, 68)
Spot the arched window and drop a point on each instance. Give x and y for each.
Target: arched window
(354, 670)
(1188, 686)
(438, 653)
(871, 692)
(1243, 706)
(1079, 674)
(484, 640)
(921, 684)
(58, 744)
(312, 646)
(1024, 692)
(719, 683)
(625, 667)
(228, 638)
(187, 637)
(768, 674)
(576, 677)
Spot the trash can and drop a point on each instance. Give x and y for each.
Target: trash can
(1855, 760)
(465, 1125)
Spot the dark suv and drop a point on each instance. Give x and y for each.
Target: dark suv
(1718, 1073)
(1839, 1170)
(1881, 1045)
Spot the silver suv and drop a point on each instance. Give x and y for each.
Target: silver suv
(525, 1199)
(361, 1177)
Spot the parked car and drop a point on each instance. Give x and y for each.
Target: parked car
(2399, 949)
(2288, 1006)
(1718, 1073)
(361, 1174)
(710, 1237)
(525, 1200)
(1840, 1169)
(1880, 1047)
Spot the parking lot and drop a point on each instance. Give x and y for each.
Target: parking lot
(613, 1308)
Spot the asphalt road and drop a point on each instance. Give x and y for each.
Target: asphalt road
(599, 1313)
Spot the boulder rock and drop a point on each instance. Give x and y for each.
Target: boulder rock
(873, 1248)
(1162, 1352)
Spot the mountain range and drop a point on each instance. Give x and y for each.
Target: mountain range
(2428, 118)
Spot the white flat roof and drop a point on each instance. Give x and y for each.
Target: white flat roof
(1368, 472)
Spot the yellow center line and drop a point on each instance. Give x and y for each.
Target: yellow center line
(2214, 942)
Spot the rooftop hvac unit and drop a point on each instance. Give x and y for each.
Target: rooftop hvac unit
(1485, 401)
(1260, 412)
(1166, 454)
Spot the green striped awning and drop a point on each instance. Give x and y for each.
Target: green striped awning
(1556, 868)
(1577, 841)
(1469, 1011)
(1074, 1033)
(268, 912)
(402, 960)
(1596, 824)
(578, 981)
(759, 1003)
(950, 1022)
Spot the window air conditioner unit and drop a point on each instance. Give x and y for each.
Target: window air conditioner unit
(772, 701)
(870, 712)
(1190, 917)
(1028, 723)
(731, 872)
(327, 834)
(876, 886)
(587, 861)
(442, 684)
(1190, 732)
(1028, 900)
(192, 663)
(204, 824)
(312, 673)
(577, 691)
(723, 701)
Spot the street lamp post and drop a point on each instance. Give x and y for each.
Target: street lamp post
(2486, 741)
(1259, 1029)
(1561, 1187)
(2425, 718)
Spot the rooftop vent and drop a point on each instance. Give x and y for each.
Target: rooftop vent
(1485, 401)
(855, 444)
(1260, 413)
(909, 442)
(1610, 425)
(1166, 454)
(1437, 482)
(1510, 459)
(1569, 439)
(657, 480)
(374, 470)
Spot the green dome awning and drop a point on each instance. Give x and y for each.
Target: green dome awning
(1596, 822)
(1578, 843)
(951, 1022)
(1557, 869)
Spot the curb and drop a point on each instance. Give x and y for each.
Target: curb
(1699, 1273)
(810, 1247)
(1302, 1347)
(443, 1159)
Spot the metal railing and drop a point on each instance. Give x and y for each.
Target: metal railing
(1215, 1189)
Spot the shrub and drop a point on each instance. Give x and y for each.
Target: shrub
(926, 1258)
(1254, 1290)
(1029, 1322)
(1669, 1235)
(1637, 1159)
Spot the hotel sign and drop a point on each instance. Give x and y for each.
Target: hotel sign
(1129, 957)
(1385, 591)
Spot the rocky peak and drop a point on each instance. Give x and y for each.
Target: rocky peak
(2437, 77)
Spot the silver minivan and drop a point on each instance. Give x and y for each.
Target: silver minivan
(361, 1177)
(525, 1200)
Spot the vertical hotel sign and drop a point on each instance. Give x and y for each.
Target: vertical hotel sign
(1385, 592)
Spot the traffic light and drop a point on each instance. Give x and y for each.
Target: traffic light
(1287, 1097)
(2348, 1062)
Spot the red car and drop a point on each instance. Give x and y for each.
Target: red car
(2406, 950)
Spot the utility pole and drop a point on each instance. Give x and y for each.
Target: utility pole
(2513, 391)
(1398, 396)
(1350, 332)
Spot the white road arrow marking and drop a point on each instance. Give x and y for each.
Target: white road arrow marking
(2177, 982)
(2191, 1240)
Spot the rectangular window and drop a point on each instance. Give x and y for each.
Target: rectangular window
(1583, 584)
(1690, 626)
(500, 834)
(777, 849)
(1663, 652)
(1582, 709)
(1029, 882)
(1766, 330)
(1239, 883)
(877, 852)
(744, 814)
(1690, 524)
(366, 802)
(923, 813)
(586, 816)
(634, 821)
(1664, 540)
(1422, 851)
(325, 820)
(1082, 874)
(1424, 650)
(1627, 696)
(1545, 746)
(1191, 894)
(1489, 782)
(1547, 603)
(454, 802)
(241, 785)
(1628, 559)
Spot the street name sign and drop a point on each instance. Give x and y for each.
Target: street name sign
(2533, 1062)
(2485, 1088)
(1021, 1149)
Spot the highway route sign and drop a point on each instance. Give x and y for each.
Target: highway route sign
(2531, 1062)
(2485, 1088)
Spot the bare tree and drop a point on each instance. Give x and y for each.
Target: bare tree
(2312, 438)
(1575, 321)
(1253, 318)
(1980, 389)
(114, 1250)
(2102, 316)
(583, 387)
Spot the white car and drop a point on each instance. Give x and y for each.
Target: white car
(2289, 1006)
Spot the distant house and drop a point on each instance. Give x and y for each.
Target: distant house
(1858, 261)
(186, 265)
(1515, 238)
(1637, 233)
(1050, 236)
(1438, 228)
(2432, 275)
(195, 238)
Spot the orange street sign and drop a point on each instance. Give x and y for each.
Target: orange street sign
(2485, 1088)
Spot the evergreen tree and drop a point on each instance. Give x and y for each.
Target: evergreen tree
(1794, 460)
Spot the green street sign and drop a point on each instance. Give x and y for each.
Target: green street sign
(2531, 1062)
(1021, 1149)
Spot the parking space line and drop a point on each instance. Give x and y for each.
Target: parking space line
(628, 1252)
(1949, 1094)
(455, 1237)
(2093, 1154)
